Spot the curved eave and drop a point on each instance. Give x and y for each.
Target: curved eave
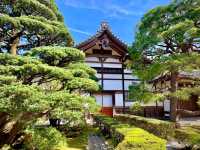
(95, 37)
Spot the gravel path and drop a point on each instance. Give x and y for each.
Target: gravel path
(174, 145)
(96, 143)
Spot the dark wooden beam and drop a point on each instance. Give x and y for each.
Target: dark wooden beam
(123, 88)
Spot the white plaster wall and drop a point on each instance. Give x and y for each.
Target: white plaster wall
(118, 99)
(94, 64)
(112, 76)
(112, 60)
(107, 101)
(112, 85)
(129, 77)
(98, 99)
(167, 105)
(107, 65)
(92, 59)
(128, 104)
(127, 71)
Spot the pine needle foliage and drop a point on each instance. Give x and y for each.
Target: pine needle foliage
(40, 74)
(167, 43)
(25, 24)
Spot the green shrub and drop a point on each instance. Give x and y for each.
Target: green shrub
(127, 137)
(188, 135)
(45, 139)
(163, 129)
(136, 107)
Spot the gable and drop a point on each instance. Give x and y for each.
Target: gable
(104, 43)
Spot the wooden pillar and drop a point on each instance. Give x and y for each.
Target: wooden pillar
(102, 84)
(157, 113)
(113, 101)
(123, 88)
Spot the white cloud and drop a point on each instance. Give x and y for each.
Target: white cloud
(108, 7)
(79, 31)
(87, 4)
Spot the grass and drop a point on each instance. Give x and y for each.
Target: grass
(80, 142)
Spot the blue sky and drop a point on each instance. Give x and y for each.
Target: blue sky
(83, 17)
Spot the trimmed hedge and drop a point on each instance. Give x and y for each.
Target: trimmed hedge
(163, 129)
(189, 136)
(126, 137)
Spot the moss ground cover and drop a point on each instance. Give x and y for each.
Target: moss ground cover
(189, 135)
(125, 136)
(80, 142)
(163, 129)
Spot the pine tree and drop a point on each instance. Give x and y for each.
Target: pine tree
(165, 42)
(173, 28)
(32, 86)
(25, 24)
(49, 79)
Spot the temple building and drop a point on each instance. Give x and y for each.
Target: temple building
(107, 54)
(184, 108)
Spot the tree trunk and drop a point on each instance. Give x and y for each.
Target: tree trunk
(14, 42)
(9, 130)
(9, 134)
(173, 101)
(3, 118)
(13, 46)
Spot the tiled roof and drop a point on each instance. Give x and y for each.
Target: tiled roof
(104, 28)
(193, 75)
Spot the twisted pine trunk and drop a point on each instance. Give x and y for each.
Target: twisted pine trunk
(13, 46)
(3, 118)
(173, 101)
(9, 130)
(14, 42)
